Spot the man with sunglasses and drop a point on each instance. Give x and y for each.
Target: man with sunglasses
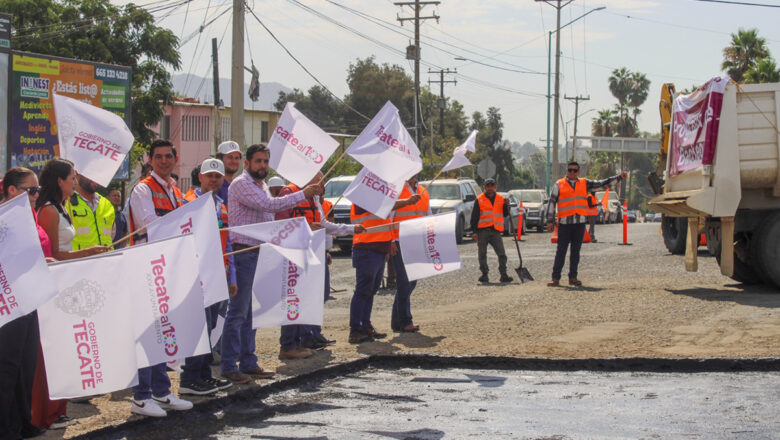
(570, 195)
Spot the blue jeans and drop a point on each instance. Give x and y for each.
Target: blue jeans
(238, 337)
(199, 367)
(568, 235)
(402, 308)
(369, 268)
(152, 380)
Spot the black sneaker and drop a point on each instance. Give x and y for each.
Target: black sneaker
(312, 344)
(197, 388)
(506, 278)
(371, 331)
(322, 339)
(358, 336)
(484, 278)
(221, 384)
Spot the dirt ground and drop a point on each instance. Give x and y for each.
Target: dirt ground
(637, 301)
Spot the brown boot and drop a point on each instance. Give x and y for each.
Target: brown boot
(574, 282)
(554, 283)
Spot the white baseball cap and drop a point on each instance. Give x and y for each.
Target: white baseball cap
(228, 147)
(275, 181)
(212, 165)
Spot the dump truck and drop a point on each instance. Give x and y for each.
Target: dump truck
(722, 172)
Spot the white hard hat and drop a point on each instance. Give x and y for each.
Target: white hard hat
(275, 181)
(212, 166)
(228, 147)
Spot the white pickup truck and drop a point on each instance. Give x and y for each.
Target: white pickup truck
(737, 196)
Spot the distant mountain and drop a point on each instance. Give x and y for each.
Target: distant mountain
(269, 92)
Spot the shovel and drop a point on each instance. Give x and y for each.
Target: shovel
(522, 272)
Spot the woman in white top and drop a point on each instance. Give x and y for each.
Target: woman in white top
(58, 183)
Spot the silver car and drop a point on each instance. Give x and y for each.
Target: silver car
(535, 204)
(457, 195)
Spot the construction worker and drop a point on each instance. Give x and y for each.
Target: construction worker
(593, 212)
(196, 377)
(370, 251)
(275, 184)
(93, 215)
(153, 197)
(229, 152)
(570, 194)
(401, 316)
(487, 222)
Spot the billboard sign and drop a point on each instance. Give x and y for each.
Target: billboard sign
(33, 82)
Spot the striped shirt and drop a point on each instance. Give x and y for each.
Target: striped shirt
(593, 185)
(250, 202)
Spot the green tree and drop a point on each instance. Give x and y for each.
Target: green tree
(743, 53)
(765, 71)
(640, 87)
(318, 105)
(620, 85)
(605, 124)
(96, 30)
(372, 85)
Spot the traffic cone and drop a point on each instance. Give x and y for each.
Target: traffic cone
(554, 238)
(625, 224)
(520, 223)
(587, 238)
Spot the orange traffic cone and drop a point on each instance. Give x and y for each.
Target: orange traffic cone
(554, 238)
(587, 238)
(520, 223)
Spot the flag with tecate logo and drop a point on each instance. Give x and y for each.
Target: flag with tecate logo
(428, 246)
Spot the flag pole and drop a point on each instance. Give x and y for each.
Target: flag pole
(251, 248)
(332, 166)
(141, 229)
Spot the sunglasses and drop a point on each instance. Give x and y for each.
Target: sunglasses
(573, 170)
(31, 190)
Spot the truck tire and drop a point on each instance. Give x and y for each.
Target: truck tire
(675, 231)
(459, 231)
(766, 240)
(744, 271)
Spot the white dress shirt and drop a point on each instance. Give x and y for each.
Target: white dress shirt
(141, 203)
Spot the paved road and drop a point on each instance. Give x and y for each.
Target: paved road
(453, 404)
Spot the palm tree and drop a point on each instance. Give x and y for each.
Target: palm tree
(764, 71)
(745, 50)
(640, 86)
(604, 124)
(620, 86)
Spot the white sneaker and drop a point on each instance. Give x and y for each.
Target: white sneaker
(147, 407)
(172, 402)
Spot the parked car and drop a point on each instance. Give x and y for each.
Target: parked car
(510, 223)
(457, 195)
(535, 203)
(631, 216)
(657, 217)
(614, 213)
(334, 188)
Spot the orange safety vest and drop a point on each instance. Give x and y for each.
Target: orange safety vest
(593, 205)
(162, 202)
(491, 214)
(308, 209)
(384, 231)
(223, 223)
(419, 209)
(572, 201)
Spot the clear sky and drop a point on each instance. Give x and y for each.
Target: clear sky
(677, 41)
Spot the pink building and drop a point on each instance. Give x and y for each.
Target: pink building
(191, 127)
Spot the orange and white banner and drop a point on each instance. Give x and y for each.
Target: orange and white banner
(299, 148)
(25, 280)
(87, 330)
(198, 217)
(386, 148)
(285, 293)
(428, 246)
(95, 140)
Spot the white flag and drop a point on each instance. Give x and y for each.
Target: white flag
(299, 148)
(292, 235)
(285, 293)
(25, 280)
(386, 148)
(95, 140)
(167, 310)
(469, 145)
(428, 246)
(459, 154)
(373, 194)
(86, 331)
(198, 217)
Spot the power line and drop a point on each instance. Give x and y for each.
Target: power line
(729, 2)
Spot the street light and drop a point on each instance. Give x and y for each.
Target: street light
(549, 57)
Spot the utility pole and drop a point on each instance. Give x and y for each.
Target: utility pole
(215, 74)
(576, 100)
(442, 104)
(413, 53)
(237, 75)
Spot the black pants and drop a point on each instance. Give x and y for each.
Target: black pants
(19, 340)
(490, 236)
(568, 234)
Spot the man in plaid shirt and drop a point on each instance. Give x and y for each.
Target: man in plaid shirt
(249, 201)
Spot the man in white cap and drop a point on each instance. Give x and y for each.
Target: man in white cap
(275, 184)
(229, 152)
(196, 377)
